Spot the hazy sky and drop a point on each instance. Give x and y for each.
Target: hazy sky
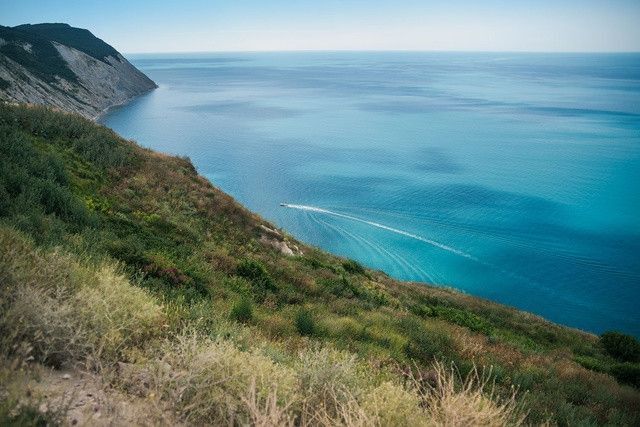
(237, 25)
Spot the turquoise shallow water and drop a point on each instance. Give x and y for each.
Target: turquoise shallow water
(514, 177)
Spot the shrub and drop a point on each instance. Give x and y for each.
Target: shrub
(623, 347)
(627, 373)
(66, 311)
(592, 363)
(305, 324)
(392, 405)
(117, 315)
(222, 385)
(341, 287)
(242, 311)
(470, 401)
(258, 275)
(328, 379)
(35, 301)
(353, 267)
(35, 181)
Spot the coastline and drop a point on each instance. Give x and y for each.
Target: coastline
(106, 110)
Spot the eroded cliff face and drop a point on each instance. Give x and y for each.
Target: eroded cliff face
(99, 83)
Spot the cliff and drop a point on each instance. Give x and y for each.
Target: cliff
(67, 68)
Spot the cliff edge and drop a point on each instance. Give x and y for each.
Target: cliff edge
(67, 68)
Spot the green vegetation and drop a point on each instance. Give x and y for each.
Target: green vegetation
(242, 311)
(353, 267)
(623, 347)
(127, 263)
(305, 324)
(36, 54)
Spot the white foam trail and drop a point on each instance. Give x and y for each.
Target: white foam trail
(383, 227)
(394, 257)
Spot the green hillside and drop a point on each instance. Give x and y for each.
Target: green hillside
(127, 264)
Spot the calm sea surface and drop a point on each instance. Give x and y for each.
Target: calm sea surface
(515, 177)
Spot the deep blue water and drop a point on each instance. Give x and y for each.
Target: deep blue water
(514, 177)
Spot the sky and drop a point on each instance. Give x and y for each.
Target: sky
(273, 25)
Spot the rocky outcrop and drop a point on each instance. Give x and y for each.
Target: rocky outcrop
(275, 239)
(73, 80)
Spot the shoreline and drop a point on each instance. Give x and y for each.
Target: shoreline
(106, 110)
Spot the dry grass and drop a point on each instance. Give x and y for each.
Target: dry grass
(215, 382)
(452, 401)
(57, 311)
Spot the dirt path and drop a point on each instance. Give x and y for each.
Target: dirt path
(88, 402)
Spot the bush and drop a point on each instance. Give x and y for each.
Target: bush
(242, 311)
(305, 324)
(592, 363)
(222, 385)
(66, 311)
(329, 380)
(35, 181)
(117, 315)
(258, 275)
(623, 347)
(342, 287)
(392, 405)
(353, 267)
(627, 373)
(469, 401)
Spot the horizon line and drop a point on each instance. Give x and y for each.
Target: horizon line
(387, 50)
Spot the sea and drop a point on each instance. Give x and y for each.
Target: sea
(510, 176)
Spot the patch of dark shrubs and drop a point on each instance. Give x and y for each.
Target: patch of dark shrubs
(454, 315)
(353, 267)
(315, 263)
(242, 310)
(627, 373)
(463, 318)
(257, 274)
(621, 346)
(342, 287)
(305, 323)
(35, 183)
(129, 250)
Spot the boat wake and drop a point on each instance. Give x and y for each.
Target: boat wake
(383, 227)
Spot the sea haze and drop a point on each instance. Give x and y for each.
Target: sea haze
(513, 177)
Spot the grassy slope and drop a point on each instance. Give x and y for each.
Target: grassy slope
(92, 206)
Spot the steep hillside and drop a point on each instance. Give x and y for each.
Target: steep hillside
(126, 272)
(65, 67)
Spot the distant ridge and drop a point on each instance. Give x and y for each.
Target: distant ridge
(65, 67)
